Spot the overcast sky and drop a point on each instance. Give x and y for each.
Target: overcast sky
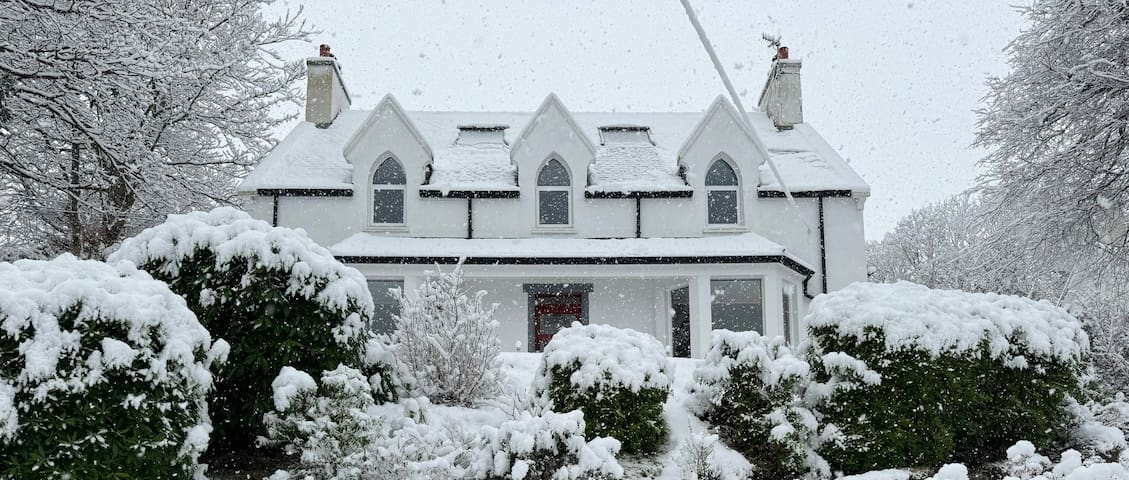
(891, 84)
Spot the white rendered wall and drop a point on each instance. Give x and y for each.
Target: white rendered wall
(846, 244)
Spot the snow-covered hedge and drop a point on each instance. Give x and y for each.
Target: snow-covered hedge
(103, 370)
(544, 447)
(338, 432)
(275, 295)
(918, 377)
(1025, 463)
(751, 389)
(617, 377)
(445, 338)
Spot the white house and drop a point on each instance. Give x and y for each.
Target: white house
(668, 223)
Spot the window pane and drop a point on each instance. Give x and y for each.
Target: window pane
(389, 173)
(388, 206)
(722, 205)
(737, 305)
(553, 175)
(553, 208)
(383, 320)
(721, 174)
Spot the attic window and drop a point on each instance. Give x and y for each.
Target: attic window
(482, 134)
(625, 135)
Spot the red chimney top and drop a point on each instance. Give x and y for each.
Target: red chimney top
(781, 53)
(323, 51)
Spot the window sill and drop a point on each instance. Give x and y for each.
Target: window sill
(554, 229)
(387, 228)
(725, 229)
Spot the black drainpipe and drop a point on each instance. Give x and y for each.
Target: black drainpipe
(638, 217)
(274, 214)
(822, 249)
(470, 216)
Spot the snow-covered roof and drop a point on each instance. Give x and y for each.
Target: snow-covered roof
(376, 245)
(310, 157)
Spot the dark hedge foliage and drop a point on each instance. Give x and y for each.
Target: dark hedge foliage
(92, 433)
(635, 418)
(956, 407)
(268, 328)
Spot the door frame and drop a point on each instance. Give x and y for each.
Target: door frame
(668, 306)
(533, 289)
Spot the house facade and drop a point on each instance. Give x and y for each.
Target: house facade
(673, 224)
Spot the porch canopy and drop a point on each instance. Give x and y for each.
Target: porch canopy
(374, 248)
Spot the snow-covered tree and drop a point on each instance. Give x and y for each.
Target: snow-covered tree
(115, 113)
(1056, 177)
(446, 338)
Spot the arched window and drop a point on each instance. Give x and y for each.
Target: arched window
(721, 194)
(388, 192)
(553, 194)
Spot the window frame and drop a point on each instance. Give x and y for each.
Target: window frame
(763, 298)
(538, 188)
(739, 220)
(374, 187)
(368, 284)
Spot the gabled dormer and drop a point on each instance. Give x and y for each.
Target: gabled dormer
(390, 160)
(552, 154)
(720, 134)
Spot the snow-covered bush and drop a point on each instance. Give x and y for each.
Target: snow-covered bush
(544, 447)
(696, 459)
(445, 338)
(918, 377)
(1099, 428)
(328, 424)
(1025, 463)
(617, 377)
(275, 295)
(752, 389)
(103, 370)
(338, 432)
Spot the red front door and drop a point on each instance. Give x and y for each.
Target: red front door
(552, 312)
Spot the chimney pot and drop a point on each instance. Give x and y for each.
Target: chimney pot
(781, 53)
(323, 51)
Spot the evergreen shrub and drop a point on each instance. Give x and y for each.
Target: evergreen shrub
(103, 373)
(617, 377)
(751, 388)
(921, 377)
(277, 297)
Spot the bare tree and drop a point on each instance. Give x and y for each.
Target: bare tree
(114, 113)
(1056, 179)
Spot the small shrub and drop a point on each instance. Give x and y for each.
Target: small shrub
(103, 373)
(329, 425)
(550, 446)
(445, 338)
(695, 458)
(276, 296)
(752, 389)
(617, 377)
(920, 377)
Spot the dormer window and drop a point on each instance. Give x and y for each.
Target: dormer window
(482, 135)
(722, 199)
(625, 135)
(388, 193)
(553, 185)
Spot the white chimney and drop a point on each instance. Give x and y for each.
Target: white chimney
(326, 95)
(781, 98)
